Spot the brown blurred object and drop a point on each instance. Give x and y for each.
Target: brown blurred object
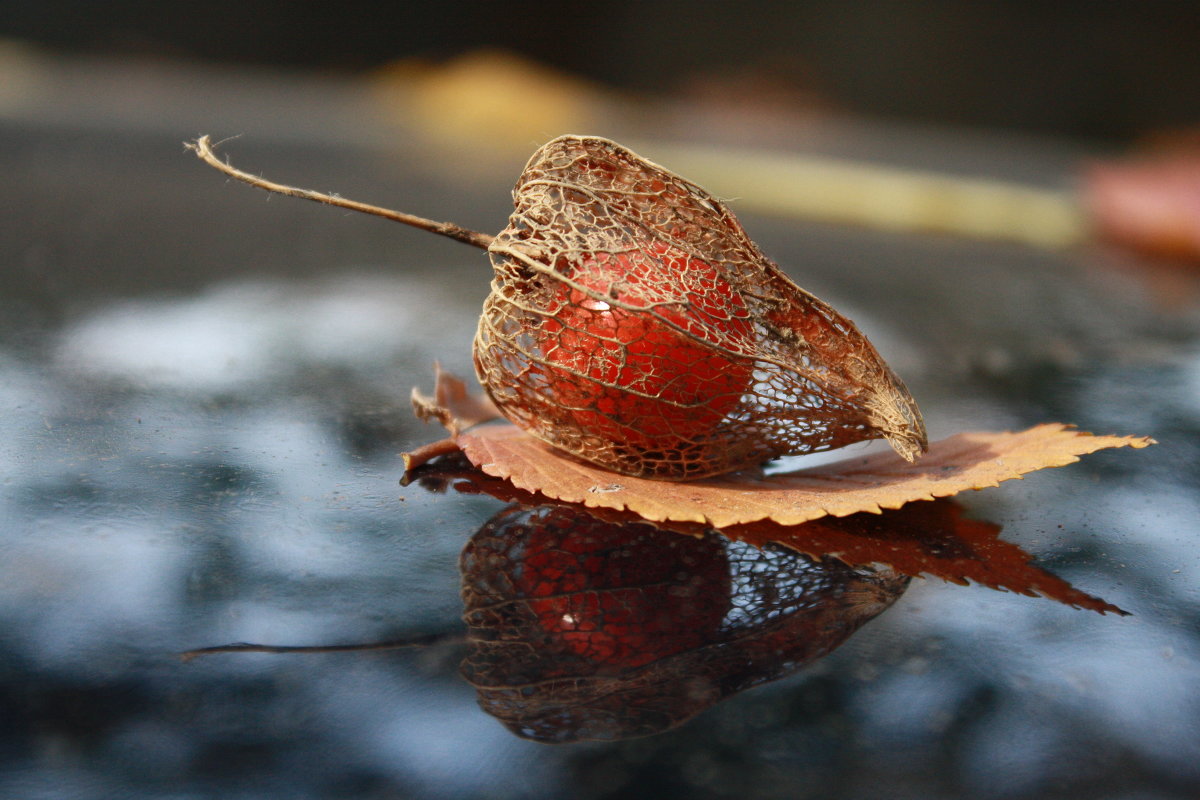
(1148, 204)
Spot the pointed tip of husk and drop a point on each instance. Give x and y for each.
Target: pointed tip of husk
(910, 444)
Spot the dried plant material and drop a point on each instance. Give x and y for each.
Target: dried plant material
(633, 324)
(869, 483)
(204, 150)
(453, 404)
(1151, 205)
(454, 407)
(453, 470)
(581, 629)
(413, 459)
(926, 538)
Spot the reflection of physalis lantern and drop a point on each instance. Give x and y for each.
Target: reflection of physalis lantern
(633, 324)
(585, 629)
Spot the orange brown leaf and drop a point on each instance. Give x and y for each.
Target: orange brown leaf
(868, 483)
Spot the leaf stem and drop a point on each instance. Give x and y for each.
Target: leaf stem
(203, 148)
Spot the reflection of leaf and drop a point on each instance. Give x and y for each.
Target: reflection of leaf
(586, 629)
(921, 538)
(925, 538)
(869, 483)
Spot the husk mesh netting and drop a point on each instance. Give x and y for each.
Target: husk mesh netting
(633, 324)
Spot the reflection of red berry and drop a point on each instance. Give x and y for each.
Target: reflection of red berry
(628, 376)
(621, 595)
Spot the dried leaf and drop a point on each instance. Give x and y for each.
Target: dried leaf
(869, 483)
(452, 404)
(930, 538)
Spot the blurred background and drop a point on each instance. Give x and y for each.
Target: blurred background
(1095, 70)
(204, 391)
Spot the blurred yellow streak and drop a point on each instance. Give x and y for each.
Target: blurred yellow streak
(875, 196)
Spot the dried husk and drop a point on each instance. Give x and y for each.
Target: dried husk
(633, 324)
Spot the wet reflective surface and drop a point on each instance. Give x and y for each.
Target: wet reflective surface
(202, 399)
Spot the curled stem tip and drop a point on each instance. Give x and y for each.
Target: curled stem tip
(204, 150)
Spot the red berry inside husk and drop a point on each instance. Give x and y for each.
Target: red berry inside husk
(640, 369)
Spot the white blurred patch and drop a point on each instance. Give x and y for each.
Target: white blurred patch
(68, 606)
(238, 335)
(438, 743)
